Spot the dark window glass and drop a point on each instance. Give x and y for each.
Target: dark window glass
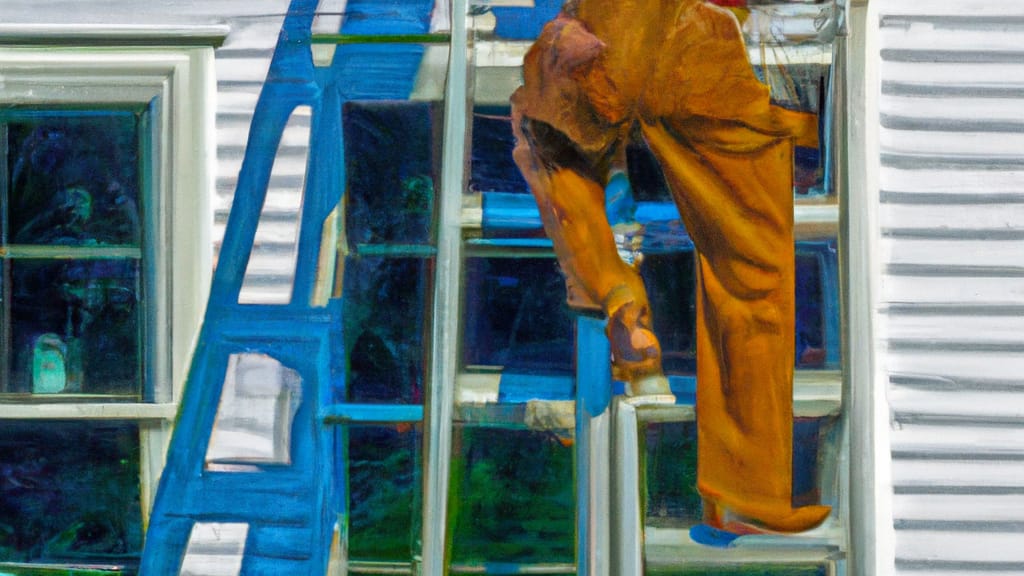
(513, 496)
(392, 169)
(810, 334)
(491, 166)
(671, 464)
(75, 326)
(384, 487)
(516, 316)
(671, 282)
(69, 493)
(74, 179)
(671, 469)
(386, 310)
(645, 175)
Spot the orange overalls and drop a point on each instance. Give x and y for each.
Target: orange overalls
(678, 70)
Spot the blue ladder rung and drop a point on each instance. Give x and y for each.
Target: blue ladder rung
(371, 413)
(516, 388)
(510, 210)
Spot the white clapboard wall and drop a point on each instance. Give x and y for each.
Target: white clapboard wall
(952, 294)
(242, 64)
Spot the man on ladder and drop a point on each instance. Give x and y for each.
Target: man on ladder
(676, 73)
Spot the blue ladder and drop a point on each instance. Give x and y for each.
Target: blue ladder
(290, 508)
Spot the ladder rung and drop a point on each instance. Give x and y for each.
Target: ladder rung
(518, 211)
(371, 413)
(511, 400)
(381, 38)
(668, 549)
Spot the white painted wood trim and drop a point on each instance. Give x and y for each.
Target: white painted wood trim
(93, 35)
(447, 291)
(177, 86)
(182, 81)
(872, 551)
(105, 411)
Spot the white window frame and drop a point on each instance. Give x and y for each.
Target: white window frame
(872, 533)
(171, 72)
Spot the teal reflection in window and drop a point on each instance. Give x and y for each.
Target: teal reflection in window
(73, 273)
(80, 318)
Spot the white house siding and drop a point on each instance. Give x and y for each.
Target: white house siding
(242, 64)
(951, 182)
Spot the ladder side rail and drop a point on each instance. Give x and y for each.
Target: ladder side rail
(444, 354)
(593, 448)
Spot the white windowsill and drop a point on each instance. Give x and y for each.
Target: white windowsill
(109, 411)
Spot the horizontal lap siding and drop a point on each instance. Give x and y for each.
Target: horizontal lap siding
(242, 64)
(952, 249)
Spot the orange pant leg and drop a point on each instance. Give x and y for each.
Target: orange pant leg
(727, 155)
(565, 143)
(738, 209)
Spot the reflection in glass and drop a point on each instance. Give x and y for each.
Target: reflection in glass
(74, 179)
(671, 281)
(386, 311)
(383, 491)
(69, 492)
(491, 166)
(810, 334)
(75, 326)
(516, 316)
(515, 497)
(671, 469)
(392, 163)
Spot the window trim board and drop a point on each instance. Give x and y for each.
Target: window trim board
(178, 88)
